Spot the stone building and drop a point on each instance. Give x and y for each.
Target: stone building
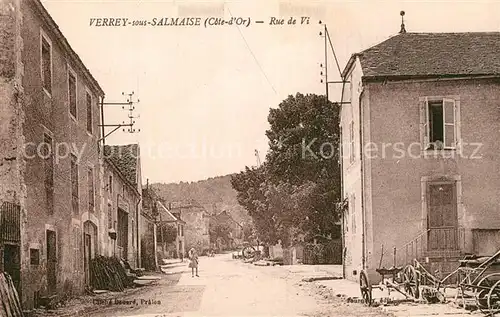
(49, 169)
(177, 248)
(121, 202)
(197, 223)
(420, 169)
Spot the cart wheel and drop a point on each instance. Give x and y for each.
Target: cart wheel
(366, 288)
(482, 292)
(411, 282)
(494, 299)
(248, 252)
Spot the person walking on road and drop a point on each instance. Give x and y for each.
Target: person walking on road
(193, 261)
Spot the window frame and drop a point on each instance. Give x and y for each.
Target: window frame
(353, 213)
(73, 194)
(110, 184)
(49, 134)
(71, 72)
(46, 38)
(352, 146)
(91, 188)
(425, 123)
(87, 109)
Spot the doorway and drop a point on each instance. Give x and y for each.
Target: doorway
(12, 263)
(51, 261)
(442, 218)
(89, 248)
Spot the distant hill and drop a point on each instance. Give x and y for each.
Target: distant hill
(215, 194)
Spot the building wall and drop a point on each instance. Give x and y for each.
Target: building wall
(196, 228)
(398, 181)
(352, 219)
(46, 113)
(122, 196)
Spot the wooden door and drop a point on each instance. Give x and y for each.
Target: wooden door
(442, 220)
(87, 256)
(51, 261)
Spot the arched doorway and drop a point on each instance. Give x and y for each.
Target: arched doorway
(89, 247)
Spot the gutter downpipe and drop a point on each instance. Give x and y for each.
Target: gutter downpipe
(363, 257)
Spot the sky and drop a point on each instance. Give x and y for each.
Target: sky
(205, 93)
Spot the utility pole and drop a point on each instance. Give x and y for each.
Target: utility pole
(324, 65)
(130, 108)
(257, 157)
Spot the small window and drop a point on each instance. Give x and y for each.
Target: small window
(110, 184)
(110, 216)
(440, 124)
(34, 256)
(353, 213)
(89, 112)
(48, 156)
(74, 184)
(46, 63)
(90, 179)
(72, 93)
(352, 154)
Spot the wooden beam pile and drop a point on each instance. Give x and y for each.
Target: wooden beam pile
(108, 274)
(10, 305)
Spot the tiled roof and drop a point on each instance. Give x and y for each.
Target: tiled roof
(166, 215)
(125, 158)
(433, 55)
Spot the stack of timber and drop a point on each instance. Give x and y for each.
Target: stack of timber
(10, 305)
(108, 274)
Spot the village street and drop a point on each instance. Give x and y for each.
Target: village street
(226, 287)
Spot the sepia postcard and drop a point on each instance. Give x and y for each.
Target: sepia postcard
(165, 158)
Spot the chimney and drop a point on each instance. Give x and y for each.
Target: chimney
(403, 29)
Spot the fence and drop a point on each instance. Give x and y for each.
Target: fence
(325, 253)
(437, 243)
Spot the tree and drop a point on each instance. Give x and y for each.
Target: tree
(168, 233)
(219, 231)
(296, 192)
(304, 142)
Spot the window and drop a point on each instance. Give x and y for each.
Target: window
(72, 93)
(48, 156)
(440, 124)
(90, 179)
(352, 154)
(34, 256)
(89, 112)
(74, 184)
(353, 213)
(110, 216)
(133, 233)
(76, 248)
(110, 184)
(46, 64)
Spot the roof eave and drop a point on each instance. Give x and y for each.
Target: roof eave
(382, 78)
(349, 65)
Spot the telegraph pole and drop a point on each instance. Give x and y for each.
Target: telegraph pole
(257, 157)
(129, 106)
(328, 40)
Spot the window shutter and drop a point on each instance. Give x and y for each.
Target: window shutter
(449, 123)
(424, 123)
